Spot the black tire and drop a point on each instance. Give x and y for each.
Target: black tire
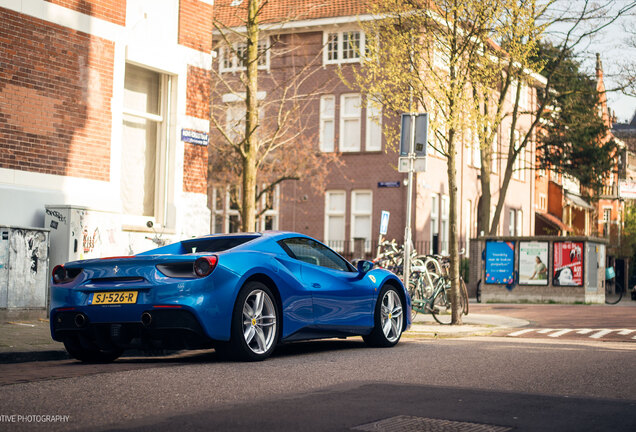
(377, 337)
(442, 311)
(463, 292)
(238, 348)
(616, 296)
(478, 292)
(83, 350)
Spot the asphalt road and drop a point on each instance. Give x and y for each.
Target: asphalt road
(340, 385)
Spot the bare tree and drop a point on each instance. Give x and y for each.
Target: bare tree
(264, 89)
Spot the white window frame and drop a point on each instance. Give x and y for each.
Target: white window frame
(355, 213)
(339, 46)
(328, 213)
(475, 148)
(264, 44)
(519, 227)
(434, 228)
(324, 117)
(445, 225)
(274, 212)
(374, 120)
(343, 117)
(519, 166)
(543, 202)
(163, 161)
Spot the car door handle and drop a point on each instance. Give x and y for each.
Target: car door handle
(315, 285)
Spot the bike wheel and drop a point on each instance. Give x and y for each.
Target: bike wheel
(616, 296)
(415, 295)
(478, 292)
(463, 294)
(442, 311)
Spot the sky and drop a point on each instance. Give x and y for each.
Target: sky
(617, 45)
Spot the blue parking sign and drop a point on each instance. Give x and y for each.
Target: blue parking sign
(384, 222)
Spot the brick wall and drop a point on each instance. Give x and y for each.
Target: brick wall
(109, 10)
(195, 25)
(55, 92)
(195, 168)
(198, 93)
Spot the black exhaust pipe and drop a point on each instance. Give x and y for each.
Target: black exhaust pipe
(80, 320)
(146, 319)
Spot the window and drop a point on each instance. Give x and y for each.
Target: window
(235, 121)
(607, 216)
(473, 139)
(467, 227)
(543, 202)
(343, 47)
(234, 58)
(441, 55)
(523, 94)
(445, 224)
(350, 122)
(327, 122)
(434, 223)
(515, 222)
(361, 210)
(495, 153)
(225, 210)
(374, 128)
(312, 252)
(519, 165)
(335, 207)
(144, 144)
(269, 205)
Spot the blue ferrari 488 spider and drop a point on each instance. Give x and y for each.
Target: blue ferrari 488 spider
(241, 294)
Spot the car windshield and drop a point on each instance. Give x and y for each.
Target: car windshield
(216, 244)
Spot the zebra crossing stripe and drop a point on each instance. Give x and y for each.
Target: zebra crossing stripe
(560, 333)
(520, 332)
(625, 332)
(544, 331)
(584, 331)
(601, 333)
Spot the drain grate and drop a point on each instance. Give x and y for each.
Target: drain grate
(422, 424)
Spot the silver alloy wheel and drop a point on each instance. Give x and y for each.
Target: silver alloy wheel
(259, 321)
(391, 316)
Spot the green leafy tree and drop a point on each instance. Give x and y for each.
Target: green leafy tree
(573, 140)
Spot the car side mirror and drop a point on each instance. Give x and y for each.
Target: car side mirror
(364, 267)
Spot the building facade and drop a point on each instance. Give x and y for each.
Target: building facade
(104, 105)
(340, 121)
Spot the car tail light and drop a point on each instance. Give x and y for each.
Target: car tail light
(61, 274)
(203, 266)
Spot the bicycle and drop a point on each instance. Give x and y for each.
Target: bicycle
(430, 294)
(613, 288)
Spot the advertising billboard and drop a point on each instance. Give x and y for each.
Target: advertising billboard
(568, 264)
(533, 263)
(500, 262)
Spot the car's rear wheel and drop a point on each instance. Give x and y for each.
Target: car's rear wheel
(255, 323)
(388, 319)
(86, 351)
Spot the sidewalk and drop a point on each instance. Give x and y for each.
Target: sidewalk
(474, 324)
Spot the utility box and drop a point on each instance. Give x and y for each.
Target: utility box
(24, 268)
(79, 233)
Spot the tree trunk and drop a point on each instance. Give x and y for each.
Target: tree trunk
(483, 219)
(248, 207)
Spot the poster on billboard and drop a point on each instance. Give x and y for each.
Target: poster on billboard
(500, 262)
(533, 263)
(568, 264)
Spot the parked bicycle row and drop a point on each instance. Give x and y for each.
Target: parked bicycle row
(429, 281)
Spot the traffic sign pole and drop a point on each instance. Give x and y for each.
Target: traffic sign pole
(409, 206)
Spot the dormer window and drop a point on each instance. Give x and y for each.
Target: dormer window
(343, 46)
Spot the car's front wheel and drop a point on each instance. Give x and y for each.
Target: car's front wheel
(88, 352)
(388, 319)
(255, 323)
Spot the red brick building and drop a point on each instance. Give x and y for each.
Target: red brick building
(341, 121)
(104, 104)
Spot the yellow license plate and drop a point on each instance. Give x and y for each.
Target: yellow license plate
(116, 297)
